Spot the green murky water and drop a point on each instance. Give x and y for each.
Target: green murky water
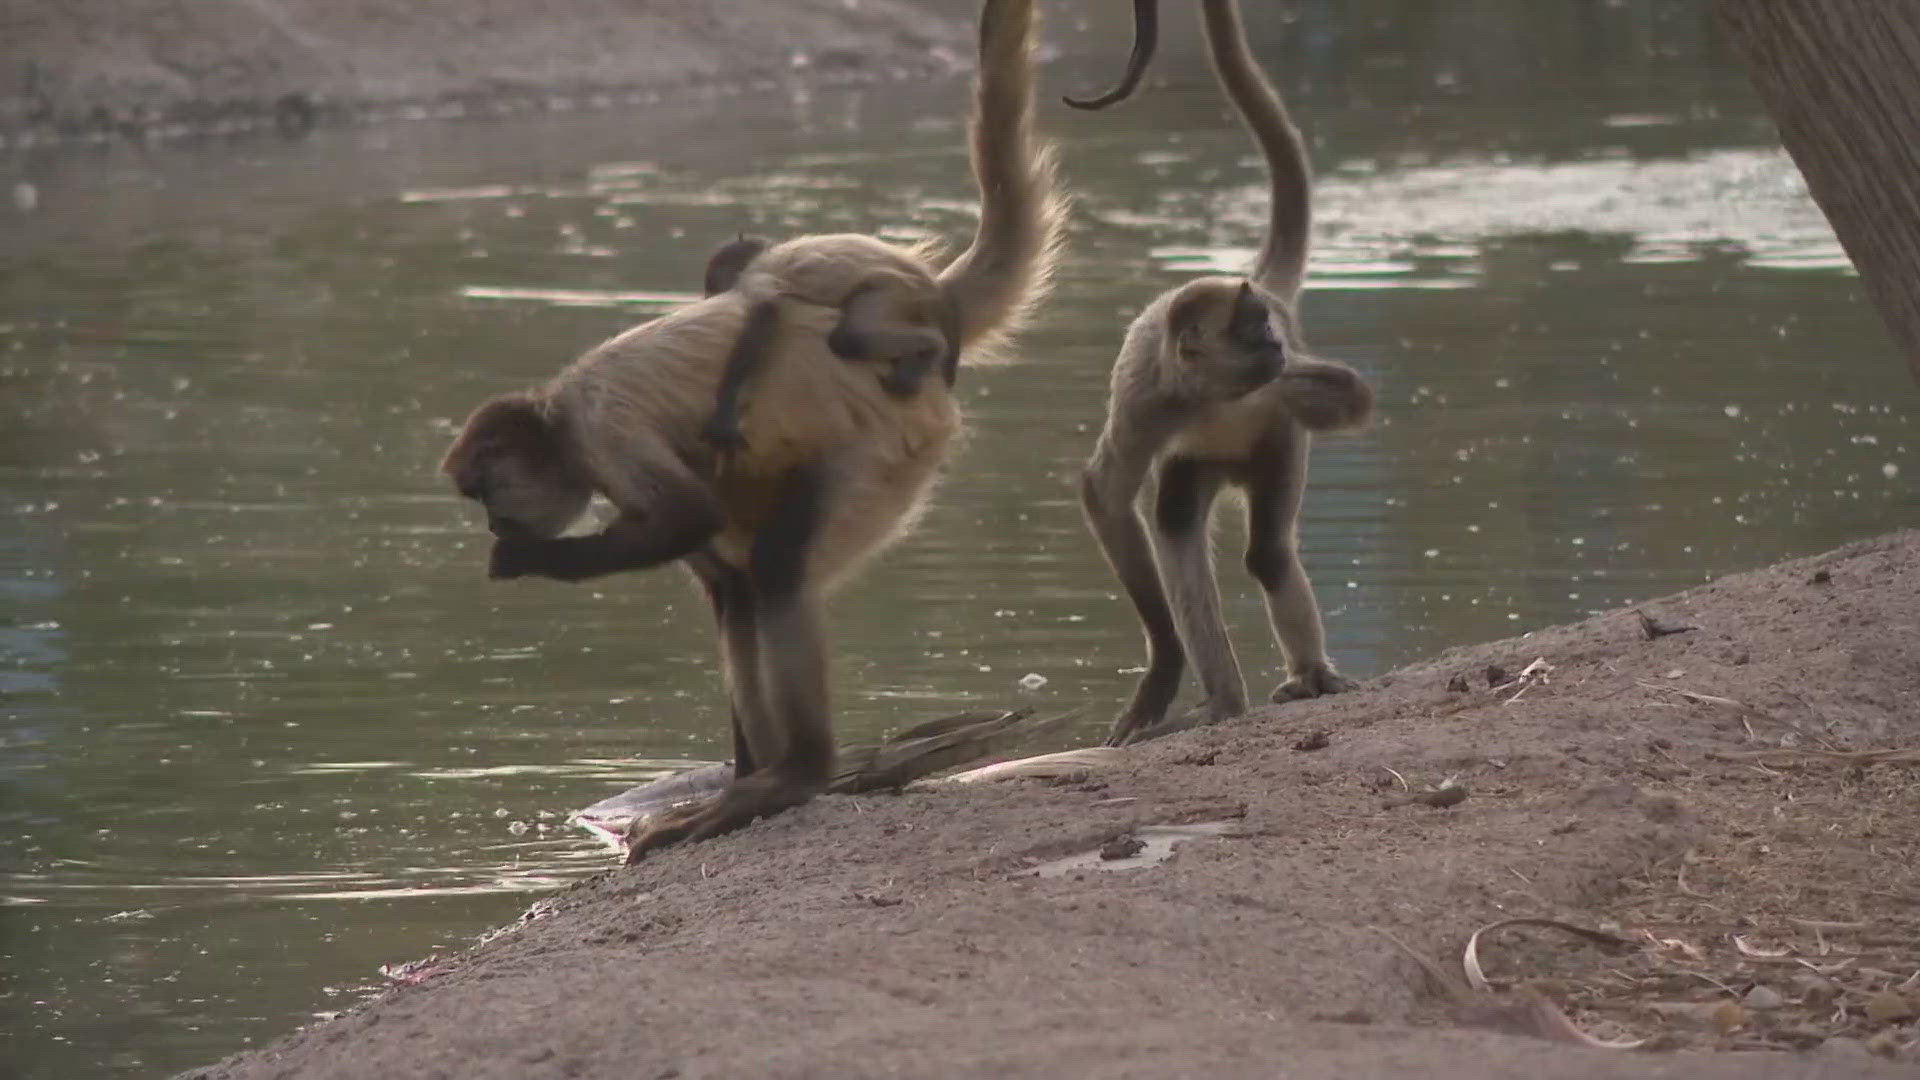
(267, 727)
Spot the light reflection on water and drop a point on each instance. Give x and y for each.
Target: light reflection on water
(267, 728)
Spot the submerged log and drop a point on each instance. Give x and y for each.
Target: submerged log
(919, 751)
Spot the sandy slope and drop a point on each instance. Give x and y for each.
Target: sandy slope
(886, 935)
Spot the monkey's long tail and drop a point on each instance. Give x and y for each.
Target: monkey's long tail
(1282, 262)
(1003, 275)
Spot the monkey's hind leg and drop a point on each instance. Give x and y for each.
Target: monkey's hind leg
(730, 592)
(792, 683)
(1274, 490)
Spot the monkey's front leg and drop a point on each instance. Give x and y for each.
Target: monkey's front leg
(672, 532)
(1107, 490)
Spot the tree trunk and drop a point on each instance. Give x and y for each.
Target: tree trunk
(1842, 80)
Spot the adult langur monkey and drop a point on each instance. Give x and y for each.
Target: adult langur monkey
(1213, 387)
(833, 467)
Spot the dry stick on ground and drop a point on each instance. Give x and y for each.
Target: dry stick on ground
(1532, 1015)
(935, 745)
(1789, 757)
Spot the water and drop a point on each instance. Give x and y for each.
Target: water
(268, 728)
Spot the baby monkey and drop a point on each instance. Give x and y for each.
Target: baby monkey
(892, 312)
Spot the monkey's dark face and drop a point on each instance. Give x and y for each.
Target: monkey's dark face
(1250, 336)
(1224, 344)
(508, 460)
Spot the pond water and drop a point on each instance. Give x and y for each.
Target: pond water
(267, 727)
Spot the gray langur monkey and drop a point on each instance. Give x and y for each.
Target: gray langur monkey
(832, 469)
(1213, 387)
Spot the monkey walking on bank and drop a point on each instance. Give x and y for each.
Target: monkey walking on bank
(891, 313)
(833, 468)
(1212, 387)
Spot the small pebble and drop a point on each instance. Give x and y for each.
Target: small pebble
(1763, 997)
(1844, 1046)
(1314, 740)
(1888, 1006)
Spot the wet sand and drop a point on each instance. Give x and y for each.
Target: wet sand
(1733, 803)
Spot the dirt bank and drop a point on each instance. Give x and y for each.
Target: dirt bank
(1702, 795)
(99, 68)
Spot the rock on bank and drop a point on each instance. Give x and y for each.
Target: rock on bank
(75, 68)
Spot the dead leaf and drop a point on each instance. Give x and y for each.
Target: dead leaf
(1728, 1017)
(1470, 957)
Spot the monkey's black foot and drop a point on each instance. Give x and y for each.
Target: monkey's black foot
(723, 433)
(1312, 683)
(1149, 732)
(1125, 728)
(899, 384)
(763, 794)
(663, 830)
(1201, 715)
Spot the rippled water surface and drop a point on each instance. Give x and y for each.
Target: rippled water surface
(267, 727)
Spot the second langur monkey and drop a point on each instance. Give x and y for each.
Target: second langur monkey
(1213, 387)
(891, 309)
(834, 467)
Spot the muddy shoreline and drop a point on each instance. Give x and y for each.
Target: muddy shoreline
(98, 70)
(1734, 804)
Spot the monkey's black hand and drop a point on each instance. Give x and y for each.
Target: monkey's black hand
(903, 379)
(512, 557)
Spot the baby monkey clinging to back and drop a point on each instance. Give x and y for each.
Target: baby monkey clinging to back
(892, 312)
(1213, 387)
